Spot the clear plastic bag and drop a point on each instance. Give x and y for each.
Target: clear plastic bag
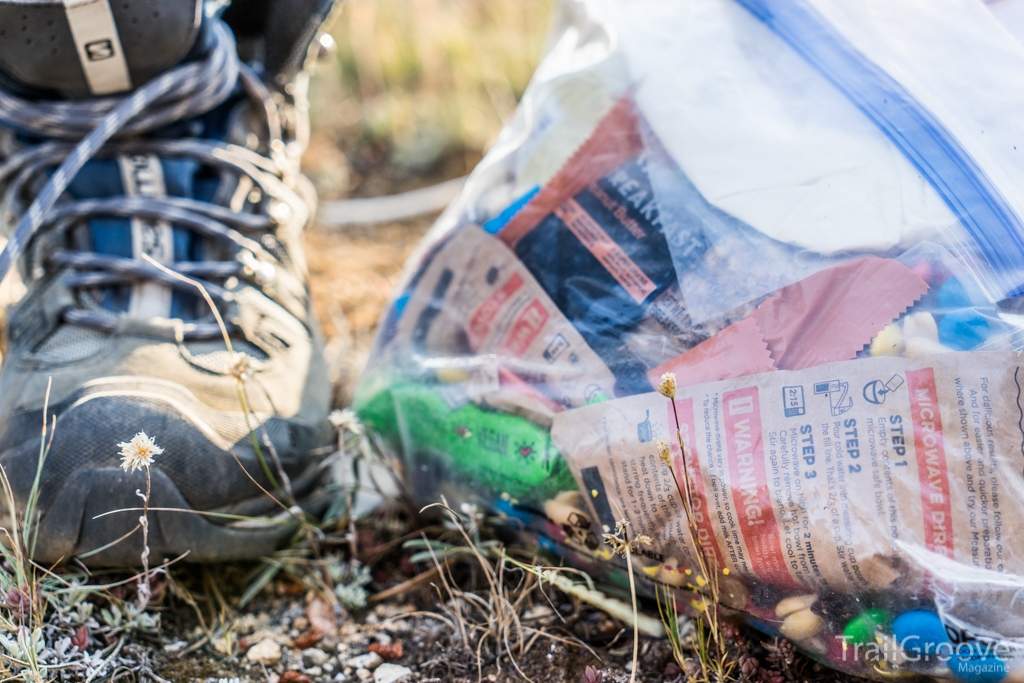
(809, 213)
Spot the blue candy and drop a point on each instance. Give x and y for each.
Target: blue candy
(509, 509)
(953, 295)
(547, 545)
(920, 632)
(923, 633)
(975, 662)
(964, 329)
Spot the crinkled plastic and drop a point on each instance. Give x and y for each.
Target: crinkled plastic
(811, 212)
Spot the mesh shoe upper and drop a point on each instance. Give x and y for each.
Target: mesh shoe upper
(198, 183)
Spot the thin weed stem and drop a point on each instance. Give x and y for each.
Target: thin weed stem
(636, 629)
(145, 591)
(709, 644)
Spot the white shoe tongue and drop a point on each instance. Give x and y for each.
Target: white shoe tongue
(82, 48)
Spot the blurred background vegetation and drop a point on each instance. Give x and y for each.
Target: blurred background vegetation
(415, 93)
(418, 89)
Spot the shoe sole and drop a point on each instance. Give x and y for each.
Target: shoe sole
(87, 502)
(108, 506)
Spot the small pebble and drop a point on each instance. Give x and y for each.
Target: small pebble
(390, 673)
(370, 660)
(314, 657)
(801, 625)
(363, 674)
(732, 592)
(266, 652)
(176, 646)
(292, 659)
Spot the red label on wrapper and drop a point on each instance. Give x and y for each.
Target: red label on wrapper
(526, 328)
(701, 515)
(749, 482)
(480, 323)
(932, 469)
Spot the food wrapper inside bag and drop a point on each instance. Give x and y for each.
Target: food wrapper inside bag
(595, 240)
(877, 477)
(487, 361)
(804, 225)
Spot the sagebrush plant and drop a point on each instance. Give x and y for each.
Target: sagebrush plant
(49, 618)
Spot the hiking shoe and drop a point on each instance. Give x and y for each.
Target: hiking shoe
(140, 155)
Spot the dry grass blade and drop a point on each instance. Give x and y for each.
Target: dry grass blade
(491, 618)
(410, 584)
(710, 644)
(239, 363)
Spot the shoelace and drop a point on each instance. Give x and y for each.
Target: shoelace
(112, 126)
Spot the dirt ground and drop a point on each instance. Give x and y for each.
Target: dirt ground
(416, 622)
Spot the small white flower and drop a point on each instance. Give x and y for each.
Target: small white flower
(346, 420)
(139, 452)
(668, 385)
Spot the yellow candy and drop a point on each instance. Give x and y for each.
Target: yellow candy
(888, 342)
(671, 574)
(801, 625)
(452, 375)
